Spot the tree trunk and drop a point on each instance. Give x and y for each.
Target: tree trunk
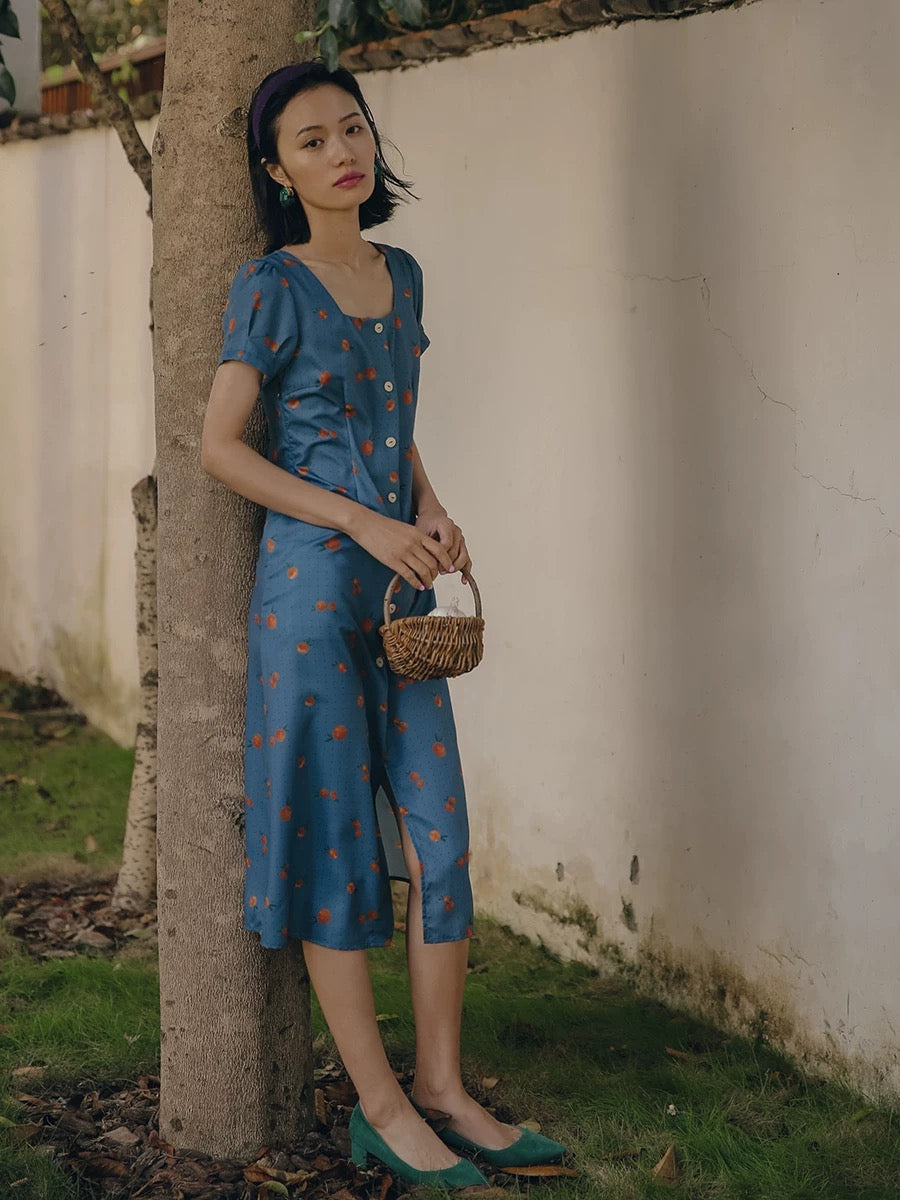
(236, 1067)
(136, 882)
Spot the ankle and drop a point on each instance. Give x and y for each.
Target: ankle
(382, 1110)
(435, 1094)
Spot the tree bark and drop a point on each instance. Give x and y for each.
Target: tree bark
(236, 1064)
(136, 882)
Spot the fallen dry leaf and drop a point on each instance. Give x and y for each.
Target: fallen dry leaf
(254, 1173)
(102, 1166)
(666, 1170)
(340, 1091)
(27, 1072)
(544, 1169)
(22, 1133)
(490, 1082)
(682, 1054)
(532, 1124)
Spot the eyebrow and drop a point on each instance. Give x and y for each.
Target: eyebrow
(306, 128)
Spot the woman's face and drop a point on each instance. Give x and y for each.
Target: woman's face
(322, 136)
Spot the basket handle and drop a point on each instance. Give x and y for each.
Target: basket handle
(390, 590)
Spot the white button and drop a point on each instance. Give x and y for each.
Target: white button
(378, 327)
(379, 662)
(393, 608)
(392, 496)
(388, 386)
(391, 441)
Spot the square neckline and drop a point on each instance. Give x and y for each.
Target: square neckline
(383, 249)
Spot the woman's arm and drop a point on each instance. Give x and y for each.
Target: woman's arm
(225, 456)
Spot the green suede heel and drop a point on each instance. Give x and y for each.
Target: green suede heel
(529, 1150)
(366, 1142)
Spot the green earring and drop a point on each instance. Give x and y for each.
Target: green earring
(377, 169)
(286, 197)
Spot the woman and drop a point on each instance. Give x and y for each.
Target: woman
(326, 328)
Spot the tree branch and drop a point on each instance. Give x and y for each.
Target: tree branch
(106, 98)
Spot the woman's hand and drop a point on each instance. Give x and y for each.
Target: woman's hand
(405, 548)
(445, 530)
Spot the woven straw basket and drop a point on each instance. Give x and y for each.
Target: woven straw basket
(432, 647)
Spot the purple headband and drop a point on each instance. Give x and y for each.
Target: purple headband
(275, 81)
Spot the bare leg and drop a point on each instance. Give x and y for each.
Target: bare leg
(343, 987)
(437, 976)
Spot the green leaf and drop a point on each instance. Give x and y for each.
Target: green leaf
(409, 11)
(9, 22)
(328, 47)
(7, 86)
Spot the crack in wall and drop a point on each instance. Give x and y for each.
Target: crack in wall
(705, 296)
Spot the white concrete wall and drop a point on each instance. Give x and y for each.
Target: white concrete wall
(77, 415)
(661, 283)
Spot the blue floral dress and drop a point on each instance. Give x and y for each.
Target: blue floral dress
(329, 726)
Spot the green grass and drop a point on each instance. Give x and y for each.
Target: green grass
(69, 787)
(584, 1056)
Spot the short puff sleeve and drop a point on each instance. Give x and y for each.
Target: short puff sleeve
(260, 324)
(424, 339)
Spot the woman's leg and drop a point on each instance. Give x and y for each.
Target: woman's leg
(437, 976)
(343, 987)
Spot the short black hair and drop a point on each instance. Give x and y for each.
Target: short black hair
(284, 225)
